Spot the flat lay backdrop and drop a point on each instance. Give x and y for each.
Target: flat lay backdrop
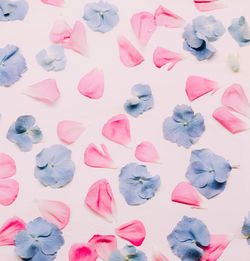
(222, 215)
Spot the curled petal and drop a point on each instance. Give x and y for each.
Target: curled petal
(82, 252)
(60, 32)
(9, 189)
(133, 231)
(7, 166)
(53, 2)
(207, 5)
(157, 256)
(146, 152)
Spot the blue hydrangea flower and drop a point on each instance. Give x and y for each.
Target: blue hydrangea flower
(23, 132)
(240, 31)
(141, 102)
(13, 10)
(136, 184)
(184, 127)
(52, 60)
(208, 172)
(101, 16)
(188, 238)
(128, 253)
(12, 65)
(40, 241)
(54, 166)
(246, 228)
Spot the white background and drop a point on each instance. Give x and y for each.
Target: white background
(223, 214)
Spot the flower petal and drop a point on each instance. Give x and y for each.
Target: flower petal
(207, 5)
(53, 2)
(7, 166)
(157, 256)
(9, 189)
(82, 252)
(146, 152)
(60, 32)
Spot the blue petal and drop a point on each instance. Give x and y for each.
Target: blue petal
(188, 251)
(183, 113)
(25, 245)
(39, 256)
(141, 91)
(191, 38)
(150, 187)
(35, 134)
(39, 227)
(45, 176)
(196, 127)
(212, 189)
(134, 109)
(116, 256)
(246, 226)
(11, 11)
(23, 123)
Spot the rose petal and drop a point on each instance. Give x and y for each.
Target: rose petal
(157, 256)
(208, 5)
(60, 32)
(82, 252)
(146, 152)
(9, 189)
(7, 166)
(53, 2)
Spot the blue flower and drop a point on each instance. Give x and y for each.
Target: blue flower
(24, 132)
(40, 241)
(12, 65)
(136, 184)
(128, 253)
(184, 127)
(188, 238)
(240, 31)
(142, 101)
(53, 59)
(54, 166)
(100, 16)
(13, 10)
(246, 228)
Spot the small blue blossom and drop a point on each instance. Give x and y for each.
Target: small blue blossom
(128, 253)
(13, 10)
(184, 127)
(52, 60)
(101, 16)
(188, 238)
(23, 132)
(40, 241)
(54, 166)
(246, 228)
(141, 102)
(136, 184)
(240, 31)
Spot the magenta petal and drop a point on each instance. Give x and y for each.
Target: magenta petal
(91, 85)
(143, 24)
(53, 2)
(163, 56)
(208, 5)
(229, 121)
(55, 212)
(185, 193)
(235, 98)
(60, 32)
(82, 252)
(9, 230)
(7, 166)
(104, 245)
(157, 256)
(164, 17)
(129, 55)
(117, 129)
(197, 86)
(9, 189)
(146, 152)
(133, 231)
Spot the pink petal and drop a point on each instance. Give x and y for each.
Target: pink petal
(69, 131)
(197, 86)
(146, 152)
(96, 158)
(165, 17)
(9, 189)
(9, 230)
(229, 121)
(157, 256)
(117, 129)
(129, 55)
(104, 245)
(91, 85)
(82, 252)
(55, 212)
(45, 91)
(133, 231)
(7, 166)
(235, 98)
(163, 56)
(53, 2)
(60, 32)
(143, 24)
(185, 193)
(208, 5)
(100, 198)
(216, 247)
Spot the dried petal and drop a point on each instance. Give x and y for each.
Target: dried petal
(208, 5)
(157, 256)
(82, 252)
(9, 189)
(7, 166)
(146, 152)
(53, 2)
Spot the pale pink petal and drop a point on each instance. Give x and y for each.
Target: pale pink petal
(133, 231)
(82, 252)
(165, 17)
(185, 193)
(229, 121)
(146, 152)
(96, 158)
(163, 56)
(7, 166)
(143, 24)
(197, 86)
(55, 212)
(91, 85)
(117, 129)
(9, 189)
(208, 5)
(235, 98)
(216, 247)
(45, 91)
(104, 245)
(69, 131)
(100, 198)
(157, 256)
(53, 2)
(129, 55)
(60, 32)
(9, 230)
